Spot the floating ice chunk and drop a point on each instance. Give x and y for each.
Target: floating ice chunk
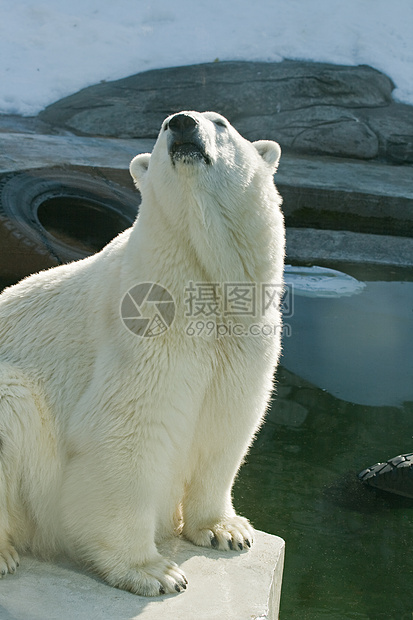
(321, 282)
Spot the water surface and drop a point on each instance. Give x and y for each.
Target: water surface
(345, 401)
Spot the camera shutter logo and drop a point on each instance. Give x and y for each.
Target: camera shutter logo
(147, 310)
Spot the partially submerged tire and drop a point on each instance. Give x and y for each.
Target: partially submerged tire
(394, 476)
(51, 216)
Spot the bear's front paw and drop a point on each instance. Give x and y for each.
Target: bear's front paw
(9, 560)
(231, 534)
(152, 579)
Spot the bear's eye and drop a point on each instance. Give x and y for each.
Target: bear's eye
(219, 122)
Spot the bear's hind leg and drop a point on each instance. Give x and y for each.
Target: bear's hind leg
(27, 465)
(111, 526)
(9, 559)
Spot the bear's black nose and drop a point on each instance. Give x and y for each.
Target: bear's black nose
(184, 141)
(182, 124)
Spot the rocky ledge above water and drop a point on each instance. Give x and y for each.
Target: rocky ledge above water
(312, 108)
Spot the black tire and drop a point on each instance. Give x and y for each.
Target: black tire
(50, 216)
(394, 476)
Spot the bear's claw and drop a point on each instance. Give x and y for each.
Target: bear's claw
(152, 579)
(9, 560)
(232, 534)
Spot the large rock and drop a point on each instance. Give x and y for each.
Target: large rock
(308, 107)
(318, 129)
(393, 126)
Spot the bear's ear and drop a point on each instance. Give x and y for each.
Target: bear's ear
(139, 167)
(270, 152)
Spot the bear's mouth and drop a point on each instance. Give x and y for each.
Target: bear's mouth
(188, 152)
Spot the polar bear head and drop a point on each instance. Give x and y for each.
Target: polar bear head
(205, 150)
(210, 186)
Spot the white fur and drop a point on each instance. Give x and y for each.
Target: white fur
(108, 440)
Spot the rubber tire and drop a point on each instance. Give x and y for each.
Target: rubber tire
(26, 245)
(394, 476)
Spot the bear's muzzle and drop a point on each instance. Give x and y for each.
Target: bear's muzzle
(185, 143)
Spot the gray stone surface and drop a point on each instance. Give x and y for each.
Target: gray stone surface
(344, 194)
(393, 126)
(315, 246)
(12, 123)
(222, 586)
(308, 107)
(21, 151)
(318, 192)
(320, 130)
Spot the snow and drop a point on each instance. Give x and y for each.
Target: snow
(52, 48)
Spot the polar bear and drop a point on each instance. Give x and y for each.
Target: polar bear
(112, 440)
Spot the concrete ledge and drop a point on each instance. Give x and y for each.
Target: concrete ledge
(20, 151)
(347, 175)
(339, 194)
(227, 586)
(309, 245)
(324, 187)
(318, 192)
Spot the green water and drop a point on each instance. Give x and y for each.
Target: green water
(348, 548)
